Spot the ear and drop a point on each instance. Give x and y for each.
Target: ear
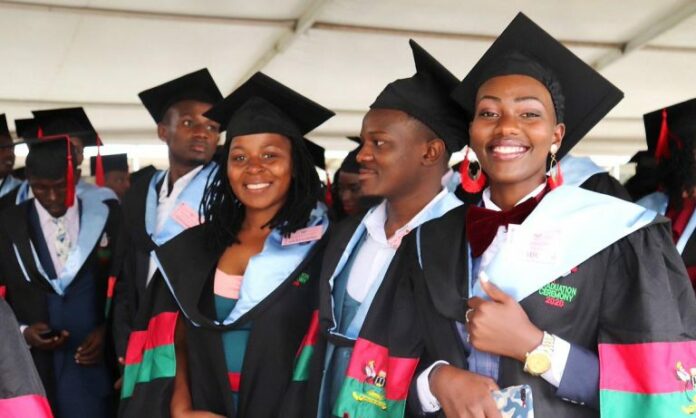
(162, 132)
(434, 151)
(558, 134)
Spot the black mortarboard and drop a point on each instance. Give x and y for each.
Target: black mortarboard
(317, 152)
(26, 128)
(71, 121)
(5, 137)
(142, 173)
(581, 95)
(47, 157)
(355, 139)
(113, 162)
(426, 97)
(676, 122)
(263, 105)
(350, 163)
(198, 85)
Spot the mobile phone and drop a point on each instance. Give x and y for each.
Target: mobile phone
(50, 334)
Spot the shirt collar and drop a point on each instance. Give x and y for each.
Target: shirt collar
(488, 203)
(71, 215)
(179, 185)
(376, 218)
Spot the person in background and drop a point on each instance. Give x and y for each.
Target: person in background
(8, 183)
(116, 175)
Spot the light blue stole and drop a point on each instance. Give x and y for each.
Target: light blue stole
(8, 184)
(658, 202)
(444, 205)
(23, 193)
(583, 224)
(93, 217)
(83, 187)
(266, 270)
(191, 196)
(576, 170)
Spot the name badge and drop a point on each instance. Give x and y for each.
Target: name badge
(312, 233)
(540, 247)
(185, 216)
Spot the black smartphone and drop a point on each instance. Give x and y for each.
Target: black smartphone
(49, 334)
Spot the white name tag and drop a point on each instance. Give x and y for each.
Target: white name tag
(540, 247)
(312, 233)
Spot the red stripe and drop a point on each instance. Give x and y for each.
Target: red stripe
(310, 337)
(160, 331)
(3, 292)
(399, 370)
(648, 368)
(234, 379)
(27, 406)
(110, 287)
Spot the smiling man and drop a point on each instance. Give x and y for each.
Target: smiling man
(162, 204)
(407, 138)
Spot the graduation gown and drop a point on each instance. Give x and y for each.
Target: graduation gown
(631, 303)
(138, 241)
(277, 349)
(21, 391)
(78, 308)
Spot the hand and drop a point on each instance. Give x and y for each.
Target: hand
(500, 326)
(196, 414)
(32, 335)
(463, 394)
(91, 351)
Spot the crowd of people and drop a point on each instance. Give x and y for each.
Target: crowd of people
(521, 282)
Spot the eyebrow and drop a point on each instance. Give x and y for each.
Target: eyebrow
(517, 99)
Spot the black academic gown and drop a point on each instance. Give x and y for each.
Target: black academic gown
(133, 258)
(633, 291)
(279, 324)
(79, 311)
(21, 391)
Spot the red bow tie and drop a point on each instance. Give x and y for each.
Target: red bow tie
(482, 224)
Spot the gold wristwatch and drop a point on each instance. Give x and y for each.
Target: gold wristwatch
(538, 361)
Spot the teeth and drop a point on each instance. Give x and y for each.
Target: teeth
(257, 186)
(508, 150)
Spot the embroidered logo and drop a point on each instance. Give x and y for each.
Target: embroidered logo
(302, 279)
(689, 379)
(558, 294)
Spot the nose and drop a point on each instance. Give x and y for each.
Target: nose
(507, 125)
(365, 153)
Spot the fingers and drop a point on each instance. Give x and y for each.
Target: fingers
(475, 302)
(493, 291)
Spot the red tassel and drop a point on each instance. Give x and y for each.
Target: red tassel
(39, 132)
(99, 166)
(328, 197)
(69, 178)
(556, 178)
(471, 185)
(662, 148)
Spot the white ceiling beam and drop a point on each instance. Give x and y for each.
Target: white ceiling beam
(148, 15)
(303, 23)
(647, 33)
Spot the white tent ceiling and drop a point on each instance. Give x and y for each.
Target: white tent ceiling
(341, 53)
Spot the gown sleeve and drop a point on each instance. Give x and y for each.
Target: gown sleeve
(647, 327)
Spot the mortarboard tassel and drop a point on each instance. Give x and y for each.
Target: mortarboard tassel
(328, 197)
(99, 166)
(662, 148)
(69, 177)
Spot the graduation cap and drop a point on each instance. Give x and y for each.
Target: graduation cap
(355, 139)
(198, 85)
(5, 137)
(73, 122)
(426, 96)
(263, 105)
(673, 123)
(52, 157)
(112, 162)
(581, 96)
(350, 163)
(26, 128)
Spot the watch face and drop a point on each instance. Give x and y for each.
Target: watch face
(538, 363)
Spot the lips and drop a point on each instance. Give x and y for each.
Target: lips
(366, 173)
(257, 186)
(506, 149)
(198, 147)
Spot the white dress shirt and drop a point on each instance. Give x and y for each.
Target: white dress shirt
(166, 202)
(561, 348)
(71, 218)
(376, 252)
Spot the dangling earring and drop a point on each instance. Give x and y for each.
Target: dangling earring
(556, 176)
(472, 178)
